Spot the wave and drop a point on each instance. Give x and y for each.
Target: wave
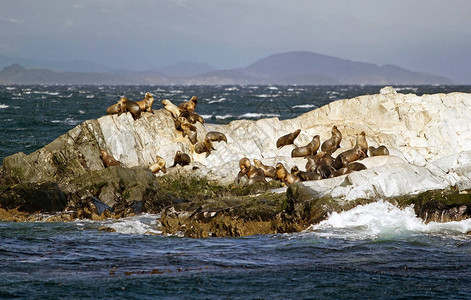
(141, 224)
(217, 101)
(224, 117)
(304, 106)
(68, 121)
(4, 106)
(382, 219)
(257, 115)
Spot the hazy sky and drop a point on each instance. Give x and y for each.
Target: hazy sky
(421, 35)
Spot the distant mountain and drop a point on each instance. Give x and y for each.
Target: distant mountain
(16, 74)
(303, 68)
(183, 69)
(65, 66)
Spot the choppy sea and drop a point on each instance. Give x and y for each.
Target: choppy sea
(372, 251)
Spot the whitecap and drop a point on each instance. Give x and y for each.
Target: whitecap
(272, 88)
(90, 96)
(67, 121)
(257, 115)
(382, 219)
(224, 117)
(81, 112)
(11, 88)
(4, 106)
(304, 106)
(231, 89)
(206, 116)
(217, 101)
(267, 96)
(140, 224)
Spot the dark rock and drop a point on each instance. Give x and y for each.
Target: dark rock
(33, 197)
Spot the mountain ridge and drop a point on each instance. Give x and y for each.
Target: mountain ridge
(295, 67)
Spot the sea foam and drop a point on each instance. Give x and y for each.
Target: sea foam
(141, 224)
(382, 219)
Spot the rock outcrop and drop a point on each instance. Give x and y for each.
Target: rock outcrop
(427, 136)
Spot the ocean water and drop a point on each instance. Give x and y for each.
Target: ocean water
(371, 251)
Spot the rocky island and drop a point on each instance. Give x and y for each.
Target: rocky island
(429, 166)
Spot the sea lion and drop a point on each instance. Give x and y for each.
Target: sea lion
(108, 160)
(305, 176)
(311, 164)
(255, 175)
(381, 150)
(146, 103)
(192, 117)
(323, 158)
(244, 166)
(216, 136)
(188, 105)
(172, 108)
(181, 159)
(190, 131)
(287, 139)
(269, 171)
(280, 172)
(325, 171)
(307, 150)
(362, 143)
(291, 178)
(159, 165)
(205, 146)
(333, 143)
(244, 163)
(351, 155)
(117, 108)
(356, 166)
(132, 107)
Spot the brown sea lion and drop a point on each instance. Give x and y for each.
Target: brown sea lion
(159, 165)
(280, 172)
(117, 108)
(305, 176)
(216, 136)
(311, 164)
(244, 163)
(323, 158)
(108, 160)
(244, 166)
(356, 166)
(333, 143)
(172, 108)
(381, 150)
(188, 105)
(132, 107)
(146, 103)
(351, 155)
(205, 146)
(287, 139)
(309, 149)
(181, 159)
(269, 171)
(362, 143)
(325, 171)
(192, 117)
(291, 178)
(190, 131)
(255, 175)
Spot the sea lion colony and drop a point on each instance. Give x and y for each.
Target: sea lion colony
(320, 164)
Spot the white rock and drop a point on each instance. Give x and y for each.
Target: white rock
(428, 136)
